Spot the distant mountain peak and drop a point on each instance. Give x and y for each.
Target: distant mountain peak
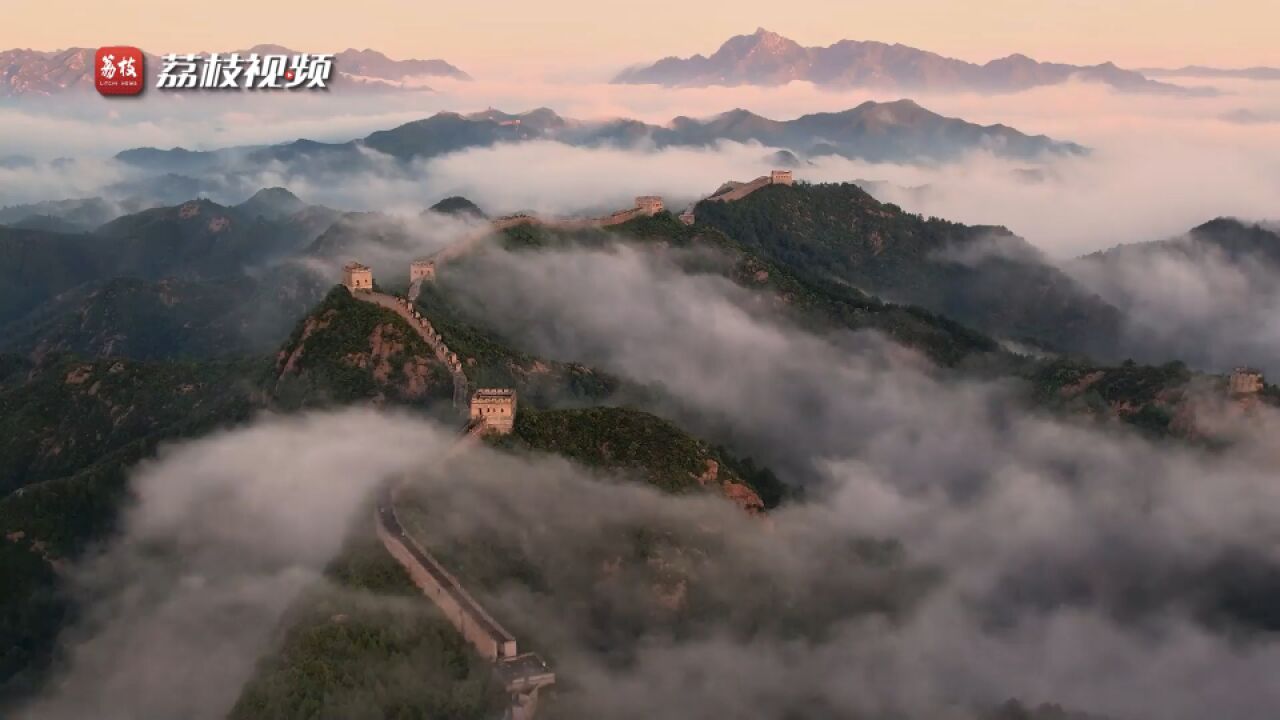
(771, 40)
(269, 49)
(767, 58)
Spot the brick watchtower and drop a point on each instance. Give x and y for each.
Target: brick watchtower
(357, 277)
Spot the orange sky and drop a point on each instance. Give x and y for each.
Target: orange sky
(594, 37)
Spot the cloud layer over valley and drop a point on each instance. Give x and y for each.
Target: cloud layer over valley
(1039, 559)
(1159, 166)
(1096, 571)
(224, 533)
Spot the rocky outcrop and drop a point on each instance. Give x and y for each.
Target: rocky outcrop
(428, 333)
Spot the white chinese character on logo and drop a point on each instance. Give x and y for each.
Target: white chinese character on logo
(209, 73)
(233, 71)
(312, 69)
(266, 71)
(178, 71)
(108, 69)
(126, 67)
(232, 68)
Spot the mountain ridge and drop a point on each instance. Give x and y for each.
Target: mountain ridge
(896, 130)
(767, 58)
(983, 277)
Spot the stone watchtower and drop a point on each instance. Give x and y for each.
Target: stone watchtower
(495, 409)
(357, 277)
(422, 270)
(781, 177)
(1244, 382)
(650, 204)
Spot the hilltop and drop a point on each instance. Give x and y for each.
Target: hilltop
(984, 277)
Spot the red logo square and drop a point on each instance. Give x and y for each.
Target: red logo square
(118, 70)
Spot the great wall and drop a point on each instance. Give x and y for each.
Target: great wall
(424, 269)
(493, 410)
(736, 190)
(523, 675)
(488, 410)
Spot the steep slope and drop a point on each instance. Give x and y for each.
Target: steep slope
(657, 451)
(1207, 297)
(198, 238)
(71, 413)
(36, 265)
(811, 299)
(983, 277)
(346, 351)
(364, 644)
(766, 58)
(166, 319)
(132, 318)
(71, 431)
(77, 215)
(190, 269)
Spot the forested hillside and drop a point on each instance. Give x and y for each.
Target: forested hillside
(984, 277)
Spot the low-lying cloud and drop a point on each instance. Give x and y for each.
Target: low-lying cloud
(1160, 165)
(1096, 570)
(1039, 559)
(223, 534)
(1189, 300)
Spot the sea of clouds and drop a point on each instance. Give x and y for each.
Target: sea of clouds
(1040, 558)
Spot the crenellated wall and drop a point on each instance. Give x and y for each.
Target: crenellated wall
(484, 633)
